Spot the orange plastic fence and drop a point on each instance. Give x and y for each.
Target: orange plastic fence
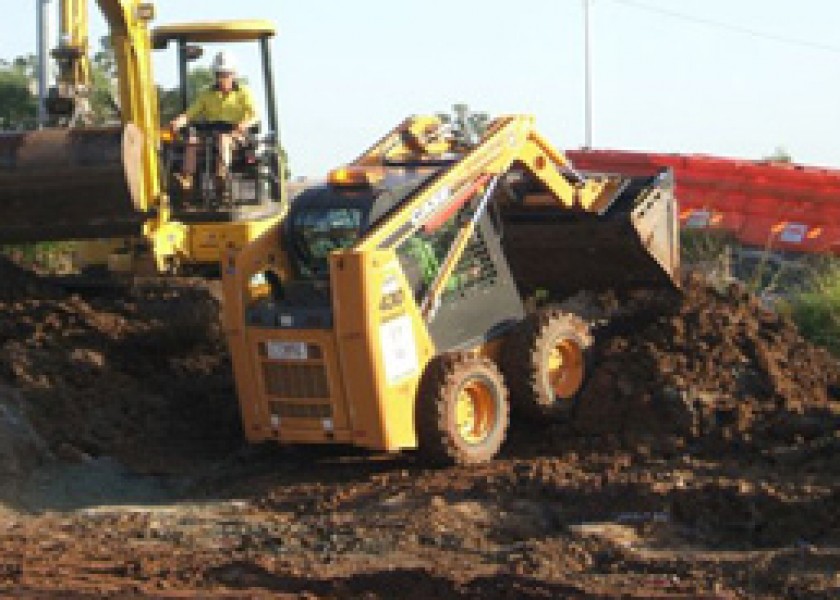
(777, 205)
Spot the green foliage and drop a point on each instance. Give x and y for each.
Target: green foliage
(816, 309)
(104, 92)
(198, 79)
(780, 155)
(43, 257)
(700, 246)
(18, 107)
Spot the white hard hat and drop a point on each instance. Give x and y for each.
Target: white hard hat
(224, 63)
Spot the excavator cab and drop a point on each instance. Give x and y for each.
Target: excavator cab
(252, 187)
(108, 188)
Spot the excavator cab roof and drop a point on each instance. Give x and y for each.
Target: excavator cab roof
(212, 32)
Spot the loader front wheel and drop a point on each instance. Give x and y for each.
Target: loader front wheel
(545, 361)
(462, 410)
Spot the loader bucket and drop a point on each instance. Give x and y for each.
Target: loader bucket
(65, 184)
(632, 244)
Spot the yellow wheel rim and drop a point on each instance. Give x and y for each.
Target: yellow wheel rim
(475, 412)
(565, 368)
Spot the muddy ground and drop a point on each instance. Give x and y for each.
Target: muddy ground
(704, 461)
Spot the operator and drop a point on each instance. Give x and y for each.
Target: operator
(227, 101)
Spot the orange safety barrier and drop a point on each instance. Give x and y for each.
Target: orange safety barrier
(769, 204)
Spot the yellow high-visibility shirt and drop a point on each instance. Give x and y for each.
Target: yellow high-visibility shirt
(237, 106)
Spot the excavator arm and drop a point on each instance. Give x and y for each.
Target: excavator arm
(72, 54)
(131, 40)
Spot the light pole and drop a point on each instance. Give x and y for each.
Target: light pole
(588, 71)
(43, 59)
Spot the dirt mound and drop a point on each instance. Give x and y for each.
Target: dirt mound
(711, 363)
(17, 283)
(129, 373)
(142, 375)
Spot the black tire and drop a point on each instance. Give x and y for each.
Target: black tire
(537, 391)
(442, 439)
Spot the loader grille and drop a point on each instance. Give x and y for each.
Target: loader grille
(291, 380)
(299, 410)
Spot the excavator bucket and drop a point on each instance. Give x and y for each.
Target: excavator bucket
(633, 242)
(67, 184)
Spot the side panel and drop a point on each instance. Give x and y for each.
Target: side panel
(483, 300)
(383, 345)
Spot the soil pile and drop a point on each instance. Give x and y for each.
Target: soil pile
(142, 375)
(712, 363)
(124, 372)
(19, 284)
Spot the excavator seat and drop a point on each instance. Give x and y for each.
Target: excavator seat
(250, 179)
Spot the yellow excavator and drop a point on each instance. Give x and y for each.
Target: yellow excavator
(400, 304)
(112, 187)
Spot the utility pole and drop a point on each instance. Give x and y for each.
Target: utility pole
(588, 70)
(43, 59)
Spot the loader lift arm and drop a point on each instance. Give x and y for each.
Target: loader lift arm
(509, 140)
(463, 179)
(469, 181)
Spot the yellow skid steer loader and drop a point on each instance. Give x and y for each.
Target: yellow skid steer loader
(388, 309)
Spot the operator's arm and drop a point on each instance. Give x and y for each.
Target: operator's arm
(197, 109)
(249, 110)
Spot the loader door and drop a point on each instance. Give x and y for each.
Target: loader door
(481, 299)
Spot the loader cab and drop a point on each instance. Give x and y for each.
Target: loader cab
(480, 298)
(253, 188)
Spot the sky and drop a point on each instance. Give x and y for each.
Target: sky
(736, 79)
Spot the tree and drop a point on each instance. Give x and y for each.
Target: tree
(103, 94)
(18, 107)
(198, 79)
(779, 155)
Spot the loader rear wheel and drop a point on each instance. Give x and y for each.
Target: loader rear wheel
(545, 362)
(462, 410)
